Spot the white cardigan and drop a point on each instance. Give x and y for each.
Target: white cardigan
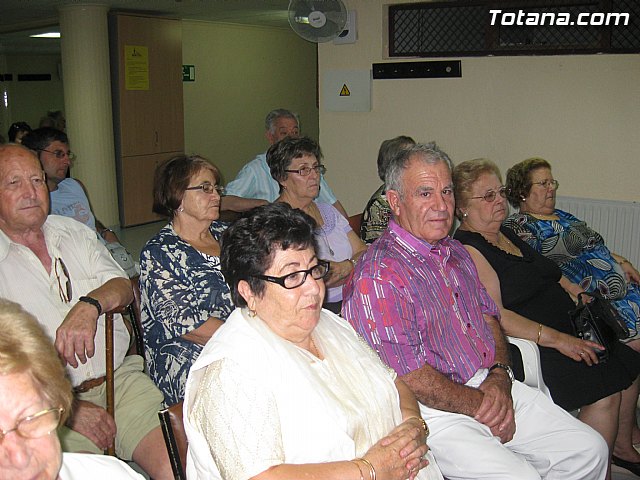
(254, 400)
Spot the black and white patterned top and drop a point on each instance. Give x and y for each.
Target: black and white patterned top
(180, 288)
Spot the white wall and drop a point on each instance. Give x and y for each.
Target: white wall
(29, 101)
(241, 74)
(582, 113)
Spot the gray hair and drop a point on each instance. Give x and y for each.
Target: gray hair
(429, 153)
(389, 149)
(273, 115)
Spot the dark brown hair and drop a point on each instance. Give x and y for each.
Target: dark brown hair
(518, 181)
(172, 179)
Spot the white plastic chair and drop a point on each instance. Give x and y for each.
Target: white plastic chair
(531, 363)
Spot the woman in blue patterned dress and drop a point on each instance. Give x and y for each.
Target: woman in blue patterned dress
(184, 295)
(578, 250)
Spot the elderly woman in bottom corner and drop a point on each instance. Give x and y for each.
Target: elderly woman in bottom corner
(286, 389)
(295, 165)
(579, 251)
(35, 399)
(184, 295)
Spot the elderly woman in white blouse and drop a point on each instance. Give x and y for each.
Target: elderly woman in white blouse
(286, 389)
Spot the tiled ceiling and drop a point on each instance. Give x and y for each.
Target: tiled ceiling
(20, 18)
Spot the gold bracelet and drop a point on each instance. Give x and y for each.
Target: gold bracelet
(424, 424)
(539, 334)
(623, 261)
(372, 471)
(360, 469)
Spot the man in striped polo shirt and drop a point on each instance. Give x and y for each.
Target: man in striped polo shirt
(415, 296)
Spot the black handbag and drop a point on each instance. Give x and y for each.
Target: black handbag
(598, 321)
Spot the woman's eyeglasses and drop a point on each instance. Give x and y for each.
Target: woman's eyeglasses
(64, 283)
(295, 279)
(554, 184)
(490, 196)
(206, 187)
(60, 154)
(306, 171)
(36, 425)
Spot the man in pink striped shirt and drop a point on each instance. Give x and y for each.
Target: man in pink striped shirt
(415, 296)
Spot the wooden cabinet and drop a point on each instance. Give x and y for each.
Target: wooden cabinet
(147, 107)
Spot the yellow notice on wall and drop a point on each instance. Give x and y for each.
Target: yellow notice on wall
(136, 67)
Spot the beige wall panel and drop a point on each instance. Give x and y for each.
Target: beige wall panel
(582, 113)
(241, 74)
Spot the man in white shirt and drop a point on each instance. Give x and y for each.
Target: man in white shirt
(254, 186)
(59, 272)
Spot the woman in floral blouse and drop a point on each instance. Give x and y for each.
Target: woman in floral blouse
(184, 295)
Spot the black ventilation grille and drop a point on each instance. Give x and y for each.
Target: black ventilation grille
(464, 28)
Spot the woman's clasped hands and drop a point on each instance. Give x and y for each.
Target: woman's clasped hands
(399, 455)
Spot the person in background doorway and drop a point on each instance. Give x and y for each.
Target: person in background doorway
(54, 119)
(17, 131)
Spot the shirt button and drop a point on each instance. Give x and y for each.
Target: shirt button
(455, 294)
(468, 325)
(484, 354)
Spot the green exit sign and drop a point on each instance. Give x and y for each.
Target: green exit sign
(188, 73)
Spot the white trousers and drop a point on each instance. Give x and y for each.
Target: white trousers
(549, 443)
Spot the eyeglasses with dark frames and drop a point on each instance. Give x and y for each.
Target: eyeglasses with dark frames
(306, 171)
(490, 196)
(295, 279)
(554, 184)
(208, 188)
(60, 154)
(66, 293)
(36, 425)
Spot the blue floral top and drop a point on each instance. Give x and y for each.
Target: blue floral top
(180, 289)
(582, 256)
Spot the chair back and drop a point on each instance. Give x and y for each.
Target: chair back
(531, 364)
(175, 438)
(355, 221)
(137, 346)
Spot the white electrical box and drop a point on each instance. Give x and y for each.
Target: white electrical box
(346, 91)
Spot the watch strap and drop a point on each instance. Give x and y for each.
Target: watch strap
(506, 368)
(95, 303)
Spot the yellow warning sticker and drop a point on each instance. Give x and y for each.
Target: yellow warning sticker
(345, 91)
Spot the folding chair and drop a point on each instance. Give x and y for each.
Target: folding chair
(175, 438)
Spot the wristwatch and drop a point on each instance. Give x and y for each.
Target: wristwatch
(506, 368)
(96, 303)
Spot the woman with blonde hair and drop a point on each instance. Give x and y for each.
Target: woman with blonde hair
(35, 399)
